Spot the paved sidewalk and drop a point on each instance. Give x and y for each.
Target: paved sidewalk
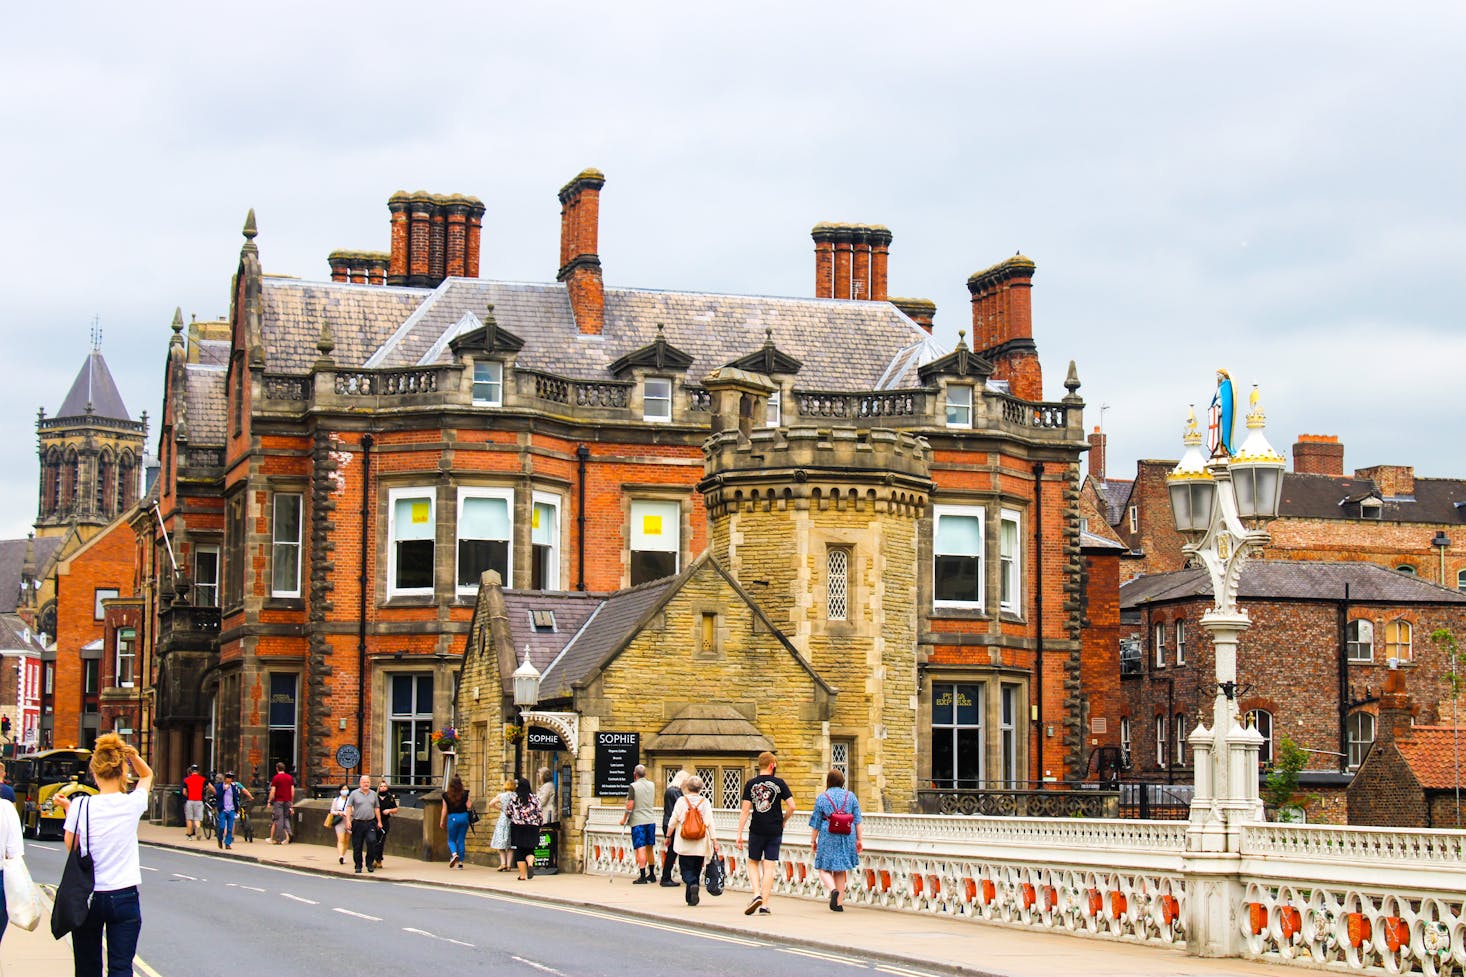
(904, 938)
(25, 954)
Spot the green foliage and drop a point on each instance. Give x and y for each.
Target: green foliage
(1447, 640)
(1281, 782)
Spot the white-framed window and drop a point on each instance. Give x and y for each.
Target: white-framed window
(1361, 640)
(1461, 581)
(1161, 727)
(1360, 729)
(126, 658)
(959, 406)
(1180, 642)
(412, 532)
(1160, 645)
(837, 583)
(774, 412)
(1008, 734)
(485, 536)
(656, 399)
(285, 533)
(206, 576)
(840, 758)
(656, 539)
(1125, 735)
(958, 752)
(99, 595)
(410, 727)
(1180, 739)
(488, 383)
(1010, 582)
(957, 542)
(1262, 721)
(1135, 518)
(544, 538)
(1397, 640)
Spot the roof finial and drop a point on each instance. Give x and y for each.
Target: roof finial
(769, 336)
(326, 343)
(177, 339)
(489, 313)
(96, 333)
(250, 231)
(961, 337)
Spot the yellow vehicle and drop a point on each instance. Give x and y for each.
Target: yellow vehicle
(39, 778)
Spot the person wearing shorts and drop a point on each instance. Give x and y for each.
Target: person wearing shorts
(640, 814)
(193, 799)
(767, 804)
(282, 794)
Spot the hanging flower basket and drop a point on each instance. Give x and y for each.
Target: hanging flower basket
(446, 739)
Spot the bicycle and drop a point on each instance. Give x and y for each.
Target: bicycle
(242, 825)
(208, 824)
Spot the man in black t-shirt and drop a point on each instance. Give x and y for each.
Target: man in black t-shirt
(767, 804)
(387, 802)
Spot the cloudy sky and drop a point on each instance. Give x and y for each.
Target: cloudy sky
(1273, 188)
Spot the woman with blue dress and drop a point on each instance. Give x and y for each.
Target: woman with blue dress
(835, 854)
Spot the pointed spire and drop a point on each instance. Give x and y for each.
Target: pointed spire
(177, 327)
(1071, 384)
(250, 232)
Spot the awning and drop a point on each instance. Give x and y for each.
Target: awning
(704, 728)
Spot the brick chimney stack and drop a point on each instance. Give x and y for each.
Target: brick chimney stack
(1395, 708)
(850, 261)
(580, 261)
(434, 236)
(1393, 481)
(1002, 324)
(1318, 454)
(1097, 443)
(359, 267)
(923, 312)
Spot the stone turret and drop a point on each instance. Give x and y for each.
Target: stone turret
(820, 526)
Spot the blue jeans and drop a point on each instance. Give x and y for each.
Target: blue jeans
(457, 833)
(120, 913)
(226, 826)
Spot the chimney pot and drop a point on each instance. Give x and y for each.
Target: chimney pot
(1318, 454)
(1098, 441)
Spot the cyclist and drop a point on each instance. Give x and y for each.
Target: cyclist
(228, 803)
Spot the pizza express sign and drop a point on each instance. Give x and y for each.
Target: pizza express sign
(540, 738)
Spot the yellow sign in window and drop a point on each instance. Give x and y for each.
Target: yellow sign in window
(421, 511)
(651, 525)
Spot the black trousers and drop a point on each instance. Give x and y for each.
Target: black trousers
(363, 838)
(691, 866)
(670, 858)
(380, 847)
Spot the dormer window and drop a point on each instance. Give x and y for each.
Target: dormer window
(656, 399)
(1370, 508)
(959, 406)
(773, 412)
(488, 384)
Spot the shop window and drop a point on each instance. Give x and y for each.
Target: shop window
(410, 727)
(957, 570)
(206, 576)
(1398, 640)
(1361, 641)
(656, 531)
(957, 748)
(488, 384)
(485, 536)
(284, 718)
(285, 529)
(656, 399)
(545, 543)
(1262, 721)
(1360, 729)
(412, 530)
(1010, 580)
(959, 406)
(837, 583)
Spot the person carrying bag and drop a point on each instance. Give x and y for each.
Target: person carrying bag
(78, 878)
(20, 900)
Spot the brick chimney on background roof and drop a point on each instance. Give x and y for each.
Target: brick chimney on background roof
(1393, 481)
(1395, 708)
(1098, 441)
(850, 261)
(580, 260)
(1318, 454)
(923, 312)
(359, 267)
(1002, 324)
(434, 236)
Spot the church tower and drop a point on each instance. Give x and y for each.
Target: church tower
(819, 525)
(90, 452)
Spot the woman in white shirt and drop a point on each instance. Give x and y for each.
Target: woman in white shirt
(691, 853)
(11, 846)
(105, 825)
(339, 817)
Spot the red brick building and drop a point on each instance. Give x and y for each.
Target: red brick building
(1313, 664)
(339, 473)
(1414, 775)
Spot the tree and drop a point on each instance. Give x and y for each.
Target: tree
(1281, 784)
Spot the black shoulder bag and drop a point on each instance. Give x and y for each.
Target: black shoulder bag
(74, 894)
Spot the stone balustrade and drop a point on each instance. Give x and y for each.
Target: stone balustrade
(1353, 899)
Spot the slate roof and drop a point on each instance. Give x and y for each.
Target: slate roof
(383, 326)
(213, 352)
(12, 558)
(1436, 500)
(94, 385)
(571, 609)
(1436, 755)
(207, 402)
(1293, 580)
(612, 624)
(1116, 493)
(709, 727)
(16, 635)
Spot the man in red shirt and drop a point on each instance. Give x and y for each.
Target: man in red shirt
(193, 800)
(282, 793)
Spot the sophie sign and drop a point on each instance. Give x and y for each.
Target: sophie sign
(617, 754)
(540, 738)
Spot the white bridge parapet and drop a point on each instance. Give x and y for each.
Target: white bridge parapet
(1353, 899)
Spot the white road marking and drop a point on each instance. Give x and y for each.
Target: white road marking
(434, 936)
(180, 875)
(238, 885)
(144, 968)
(42, 847)
(902, 971)
(537, 966)
(308, 902)
(459, 942)
(409, 929)
(820, 955)
(348, 912)
(146, 868)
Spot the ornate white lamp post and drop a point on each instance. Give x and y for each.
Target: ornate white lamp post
(1220, 504)
(526, 694)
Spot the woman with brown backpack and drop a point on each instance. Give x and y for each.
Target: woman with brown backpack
(693, 836)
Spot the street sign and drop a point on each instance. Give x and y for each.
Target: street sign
(617, 754)
(347, 757)
(540, 738)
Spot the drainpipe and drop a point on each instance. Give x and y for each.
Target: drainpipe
(1342, 614)
(362, 583)
(582, 453)
(1038, 610)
